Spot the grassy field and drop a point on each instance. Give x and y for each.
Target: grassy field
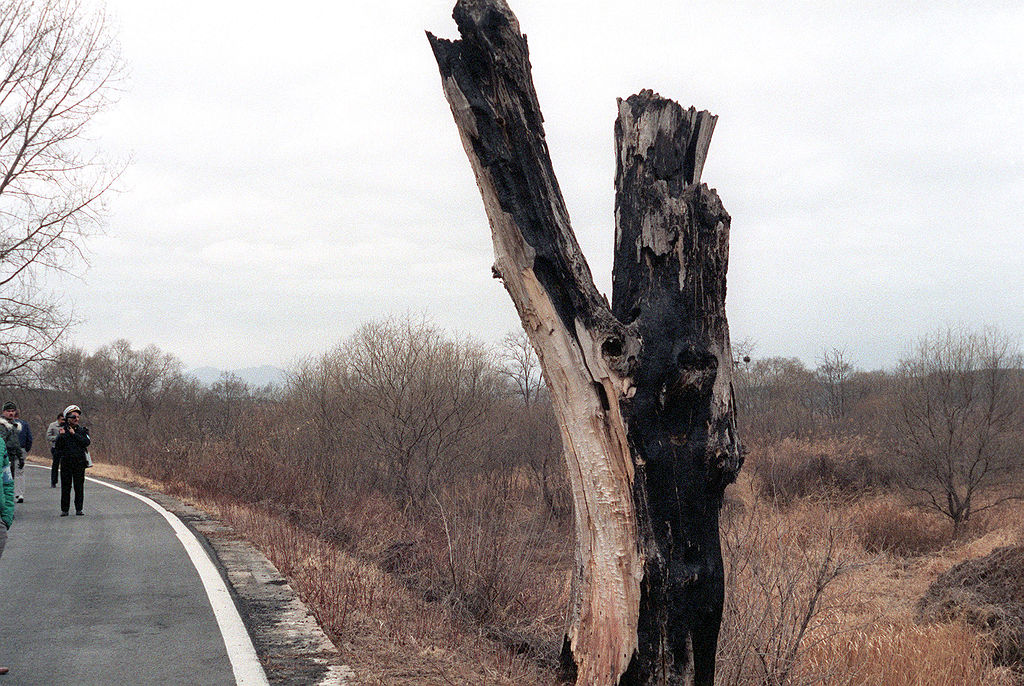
(822, 588)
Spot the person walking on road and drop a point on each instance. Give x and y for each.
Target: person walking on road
(52, 431)
(12, 441)
(25, 439)
(6, 503)
(72, 447)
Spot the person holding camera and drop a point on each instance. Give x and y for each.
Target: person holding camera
(72, 450)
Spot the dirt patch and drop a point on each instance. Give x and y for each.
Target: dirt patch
(987, 593)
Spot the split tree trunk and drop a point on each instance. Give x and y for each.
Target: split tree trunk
(643, 389)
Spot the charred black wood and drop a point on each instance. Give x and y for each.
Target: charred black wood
(671, 258)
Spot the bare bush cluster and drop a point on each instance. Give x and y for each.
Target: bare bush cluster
(429, 466)
(436, 458)
(783, 595)
(792, 469)
(945, 428)
(780, 397)
(400, 408)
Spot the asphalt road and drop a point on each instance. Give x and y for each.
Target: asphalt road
(111, 597)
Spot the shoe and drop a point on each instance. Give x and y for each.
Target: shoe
(19, 499)
(53, 485)
(63, 514)
(3, 670)
(79, 513)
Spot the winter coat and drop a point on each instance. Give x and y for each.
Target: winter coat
(71, 447)
(24, 436)
(52, 431)
(6, 489)
(11, 439)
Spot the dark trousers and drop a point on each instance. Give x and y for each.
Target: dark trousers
(55, 469)
(71, 475)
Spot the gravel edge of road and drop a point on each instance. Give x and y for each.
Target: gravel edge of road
(291, 646)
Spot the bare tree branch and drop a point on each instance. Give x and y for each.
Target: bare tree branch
(59, 67)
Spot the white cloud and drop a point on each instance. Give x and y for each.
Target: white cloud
(296, 170)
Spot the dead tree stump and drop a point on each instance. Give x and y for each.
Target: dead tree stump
(642, 389)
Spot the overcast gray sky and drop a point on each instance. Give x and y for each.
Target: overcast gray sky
(295, 170)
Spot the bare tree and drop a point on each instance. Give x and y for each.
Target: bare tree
(776, 397)
(68, 372)
(536, 432)
(316, 389)
(519, 364)
(957, 406)
(834, 373)
(419, 400)
(642, 387)
(130, 382)
(58, 69)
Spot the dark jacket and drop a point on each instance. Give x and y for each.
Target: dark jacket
(25, 436)
(12, 440)
(71, 447)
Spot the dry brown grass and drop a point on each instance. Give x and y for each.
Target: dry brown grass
(380, 621)
(861, 627)
(480, 602)
(387, 633)
(888, 524)
(901, 653)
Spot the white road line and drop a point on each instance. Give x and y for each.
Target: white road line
(244, 662)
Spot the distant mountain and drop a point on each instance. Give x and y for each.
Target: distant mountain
(266, 375)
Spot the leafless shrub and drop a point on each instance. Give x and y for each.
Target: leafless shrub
(388, 634)
(781, 595)
(401, 402)
(885, 524)
(793, 469)
(957, 417)
(495, 555)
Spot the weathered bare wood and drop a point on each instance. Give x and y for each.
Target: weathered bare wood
(584, 351)
(643, 396)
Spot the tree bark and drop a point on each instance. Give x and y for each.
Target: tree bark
(642, 390)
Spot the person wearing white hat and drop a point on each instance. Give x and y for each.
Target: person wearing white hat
(71, 447)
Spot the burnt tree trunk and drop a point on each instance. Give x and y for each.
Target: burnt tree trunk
(642, 389)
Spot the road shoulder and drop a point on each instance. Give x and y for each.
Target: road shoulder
(291, 646)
